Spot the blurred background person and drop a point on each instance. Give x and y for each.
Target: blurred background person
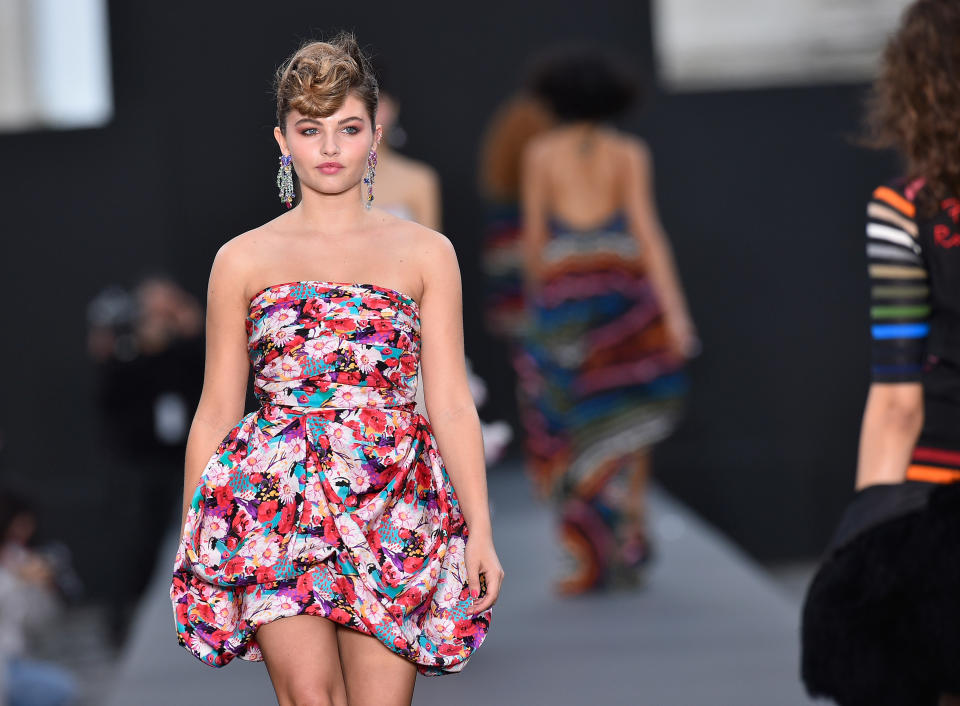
(410, 189)
(609, 330)
(517, 121)
(149, 349)
(881, 619)
(407, 188)
(32, 585)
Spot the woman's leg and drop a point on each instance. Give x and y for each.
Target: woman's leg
(303, 661)
(374, 675)
(639, 479)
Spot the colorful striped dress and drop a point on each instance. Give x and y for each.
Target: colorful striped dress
(602, 387)
(915, 317)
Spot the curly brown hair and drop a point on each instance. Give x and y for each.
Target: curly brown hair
(317, 79)
(915, 103)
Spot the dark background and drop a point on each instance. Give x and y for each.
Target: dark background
(761, 191)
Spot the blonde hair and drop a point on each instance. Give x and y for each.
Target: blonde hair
(317, 79)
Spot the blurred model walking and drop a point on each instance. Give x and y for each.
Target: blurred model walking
(609, 329)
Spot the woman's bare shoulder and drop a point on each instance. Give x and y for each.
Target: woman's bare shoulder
(236, 259)
(634, 148)
(428, 251)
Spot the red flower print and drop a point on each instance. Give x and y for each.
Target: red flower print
(330, 534)
(412, 564)
(400, 643)
(375, 419)
(224, 495)
(305, 583)
(234, 567)
(204, 612)
(465, 628)
(383, 325)
(287, 515)
(266, 510)
(944, 237)
(266, 574)
(952, 207)
(410, 598)
(344, 587)
(408, 364)
(241, 523)
(339, 615)
(450, 649)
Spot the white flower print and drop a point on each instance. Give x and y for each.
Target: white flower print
(359, 480)
(282, 368)
(406, 517)
(280, 317)
(440, 629)
(282, 336)
(288, 488)
(217, 475)
(366, 357)
(313, 491)
(214, 526)
(319, 348)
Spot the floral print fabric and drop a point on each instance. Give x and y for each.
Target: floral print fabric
(332, 498)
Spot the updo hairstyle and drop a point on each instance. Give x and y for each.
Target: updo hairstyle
(317, 79)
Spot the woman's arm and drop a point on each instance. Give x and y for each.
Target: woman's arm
(453, 415)
(646, 227)
(533, 211)
(225, 370)
(899, 315)
(891, 424)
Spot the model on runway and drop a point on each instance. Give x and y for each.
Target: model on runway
(609, 329)
(881, 624)
(326, 535)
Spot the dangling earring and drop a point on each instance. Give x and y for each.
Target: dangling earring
(285, 180)
(368, 177)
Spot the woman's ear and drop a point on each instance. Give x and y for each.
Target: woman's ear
(281, 140)
(377, 136)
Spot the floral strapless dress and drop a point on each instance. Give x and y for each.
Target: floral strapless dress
(331, 499)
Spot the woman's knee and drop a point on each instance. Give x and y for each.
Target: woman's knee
(314, 694)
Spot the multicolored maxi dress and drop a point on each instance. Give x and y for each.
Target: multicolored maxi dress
(332, 498)
(602, 387)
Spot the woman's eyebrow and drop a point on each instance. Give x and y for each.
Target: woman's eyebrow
(346, 120)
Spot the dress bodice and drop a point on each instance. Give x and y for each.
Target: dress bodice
(333, 345)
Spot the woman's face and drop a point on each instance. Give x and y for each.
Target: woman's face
(330, 154)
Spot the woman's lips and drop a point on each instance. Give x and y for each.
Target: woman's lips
(330, 167)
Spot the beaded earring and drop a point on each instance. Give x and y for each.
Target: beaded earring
(368, 177)
(285, 180)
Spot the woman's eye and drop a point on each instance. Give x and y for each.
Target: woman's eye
(351, 130)
(310, 131)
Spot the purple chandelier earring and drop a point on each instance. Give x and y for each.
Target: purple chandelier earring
(368, 177)
(285, 180)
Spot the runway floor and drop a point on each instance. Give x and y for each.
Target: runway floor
(710, 628)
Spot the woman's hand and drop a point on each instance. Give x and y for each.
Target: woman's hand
(682, 336)
(483, 572)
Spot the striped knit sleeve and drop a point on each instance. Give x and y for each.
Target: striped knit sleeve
(899, 288)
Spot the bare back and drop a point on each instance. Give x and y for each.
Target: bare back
(584, 174)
